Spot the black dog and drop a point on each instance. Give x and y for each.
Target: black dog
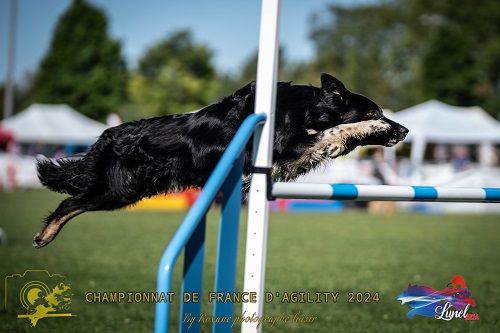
(166, 154)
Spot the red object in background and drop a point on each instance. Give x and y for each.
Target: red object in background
(282, 205)
(5, 138)
(191, 196)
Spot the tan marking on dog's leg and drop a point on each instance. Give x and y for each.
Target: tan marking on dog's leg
(49, 231)
(335, 139)
(332, 145)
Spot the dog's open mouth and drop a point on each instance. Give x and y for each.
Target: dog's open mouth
(391, 142)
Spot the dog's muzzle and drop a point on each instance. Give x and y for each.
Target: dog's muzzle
(403, 131)
(396, 134)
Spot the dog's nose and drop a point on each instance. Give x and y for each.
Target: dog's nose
(403, 131)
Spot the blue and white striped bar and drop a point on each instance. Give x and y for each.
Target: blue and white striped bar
(384, 192)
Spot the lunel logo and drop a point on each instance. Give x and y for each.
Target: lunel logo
(451, 302)
(37, 294)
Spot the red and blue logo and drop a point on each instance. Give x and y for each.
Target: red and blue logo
(451, 302)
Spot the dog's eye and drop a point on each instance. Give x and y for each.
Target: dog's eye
(374, 115)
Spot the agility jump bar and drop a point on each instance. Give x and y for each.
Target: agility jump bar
(384, 192)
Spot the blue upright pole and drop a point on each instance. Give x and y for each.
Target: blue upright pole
(193, 280)
(225, 272)
(195, 214)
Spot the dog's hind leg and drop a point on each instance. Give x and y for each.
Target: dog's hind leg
(66, 210)
(73, 206)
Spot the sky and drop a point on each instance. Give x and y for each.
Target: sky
(228, 27)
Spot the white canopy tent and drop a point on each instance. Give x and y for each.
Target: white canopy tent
(54, 124)
(437, 122)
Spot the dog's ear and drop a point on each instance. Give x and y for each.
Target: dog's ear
(332, 84)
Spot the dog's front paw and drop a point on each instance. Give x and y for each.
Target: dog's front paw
(331, 144)
(334, 150)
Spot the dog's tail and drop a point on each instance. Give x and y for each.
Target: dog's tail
(65, 175)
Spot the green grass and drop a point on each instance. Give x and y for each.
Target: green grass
(354, 251)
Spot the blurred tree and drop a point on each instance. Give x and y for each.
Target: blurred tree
(176, 75)
(402, 52)
(369, 48)
(461, 64)
(83, 67)
(248, 72)
(450, 70)
(249, 69)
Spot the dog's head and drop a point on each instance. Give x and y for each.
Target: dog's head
(368, 126)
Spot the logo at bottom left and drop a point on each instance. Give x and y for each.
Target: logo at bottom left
(37, 294)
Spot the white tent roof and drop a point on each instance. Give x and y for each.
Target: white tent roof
(56, 124)
(435, 121)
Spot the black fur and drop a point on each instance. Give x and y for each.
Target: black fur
(166, 154)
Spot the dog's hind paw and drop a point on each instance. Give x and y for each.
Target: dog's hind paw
(40, 240)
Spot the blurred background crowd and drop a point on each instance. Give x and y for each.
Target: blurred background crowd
(433, 65)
